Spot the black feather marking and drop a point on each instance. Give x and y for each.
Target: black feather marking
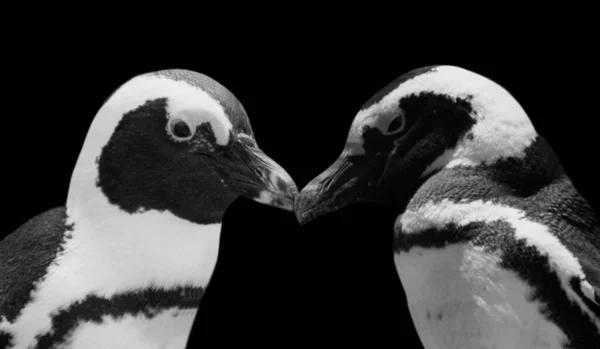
(141, 168)
(148, 303)
(576, 285)
(436, 238)
(5, 340)
(443, 119)
(205, 140)
(26, 255)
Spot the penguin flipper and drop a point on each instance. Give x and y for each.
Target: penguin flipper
(25, 256)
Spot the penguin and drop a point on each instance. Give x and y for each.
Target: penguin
(125, 262)
(494, 246)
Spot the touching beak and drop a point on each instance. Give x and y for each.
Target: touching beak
(253, 174)
(342, 183)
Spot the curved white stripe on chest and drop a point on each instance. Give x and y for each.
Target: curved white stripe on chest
(561, 260)
(168, 330)
(119, 253)
(460, 298)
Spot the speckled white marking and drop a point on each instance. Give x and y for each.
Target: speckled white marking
(503, 129)
(561, 260)
(460, 298)
(168, 330)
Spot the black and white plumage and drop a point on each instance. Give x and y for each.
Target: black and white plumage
(494, 246)
(125, 263)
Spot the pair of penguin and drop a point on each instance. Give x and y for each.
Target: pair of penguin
(494, 246)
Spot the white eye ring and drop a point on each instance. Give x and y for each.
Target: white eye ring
(180, 129)
(396, 125)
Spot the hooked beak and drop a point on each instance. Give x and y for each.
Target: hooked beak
(344, 182)
(251, 173)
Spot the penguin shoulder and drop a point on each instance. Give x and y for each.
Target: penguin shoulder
(25, 256)
(577, 225)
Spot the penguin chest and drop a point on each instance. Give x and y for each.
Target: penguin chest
(167, 329)
(461, 298)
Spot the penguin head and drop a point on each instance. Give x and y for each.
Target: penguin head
(427, 120)
(177, 141)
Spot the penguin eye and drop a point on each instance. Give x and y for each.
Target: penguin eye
(396, 125)
(180, 129)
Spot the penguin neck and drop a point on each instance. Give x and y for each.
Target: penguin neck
(520, 176)
(147, 247)
(525, 176)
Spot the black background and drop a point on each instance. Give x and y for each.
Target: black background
(331, 282)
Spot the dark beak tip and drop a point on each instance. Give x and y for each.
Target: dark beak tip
(302, 222)
(302, 217)
(302, 207)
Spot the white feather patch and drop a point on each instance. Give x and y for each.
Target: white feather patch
(168, 330)
(460, 297)
(503, 129)
(561, 260)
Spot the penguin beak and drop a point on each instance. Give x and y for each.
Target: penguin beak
(251, 173)
(344, 182)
